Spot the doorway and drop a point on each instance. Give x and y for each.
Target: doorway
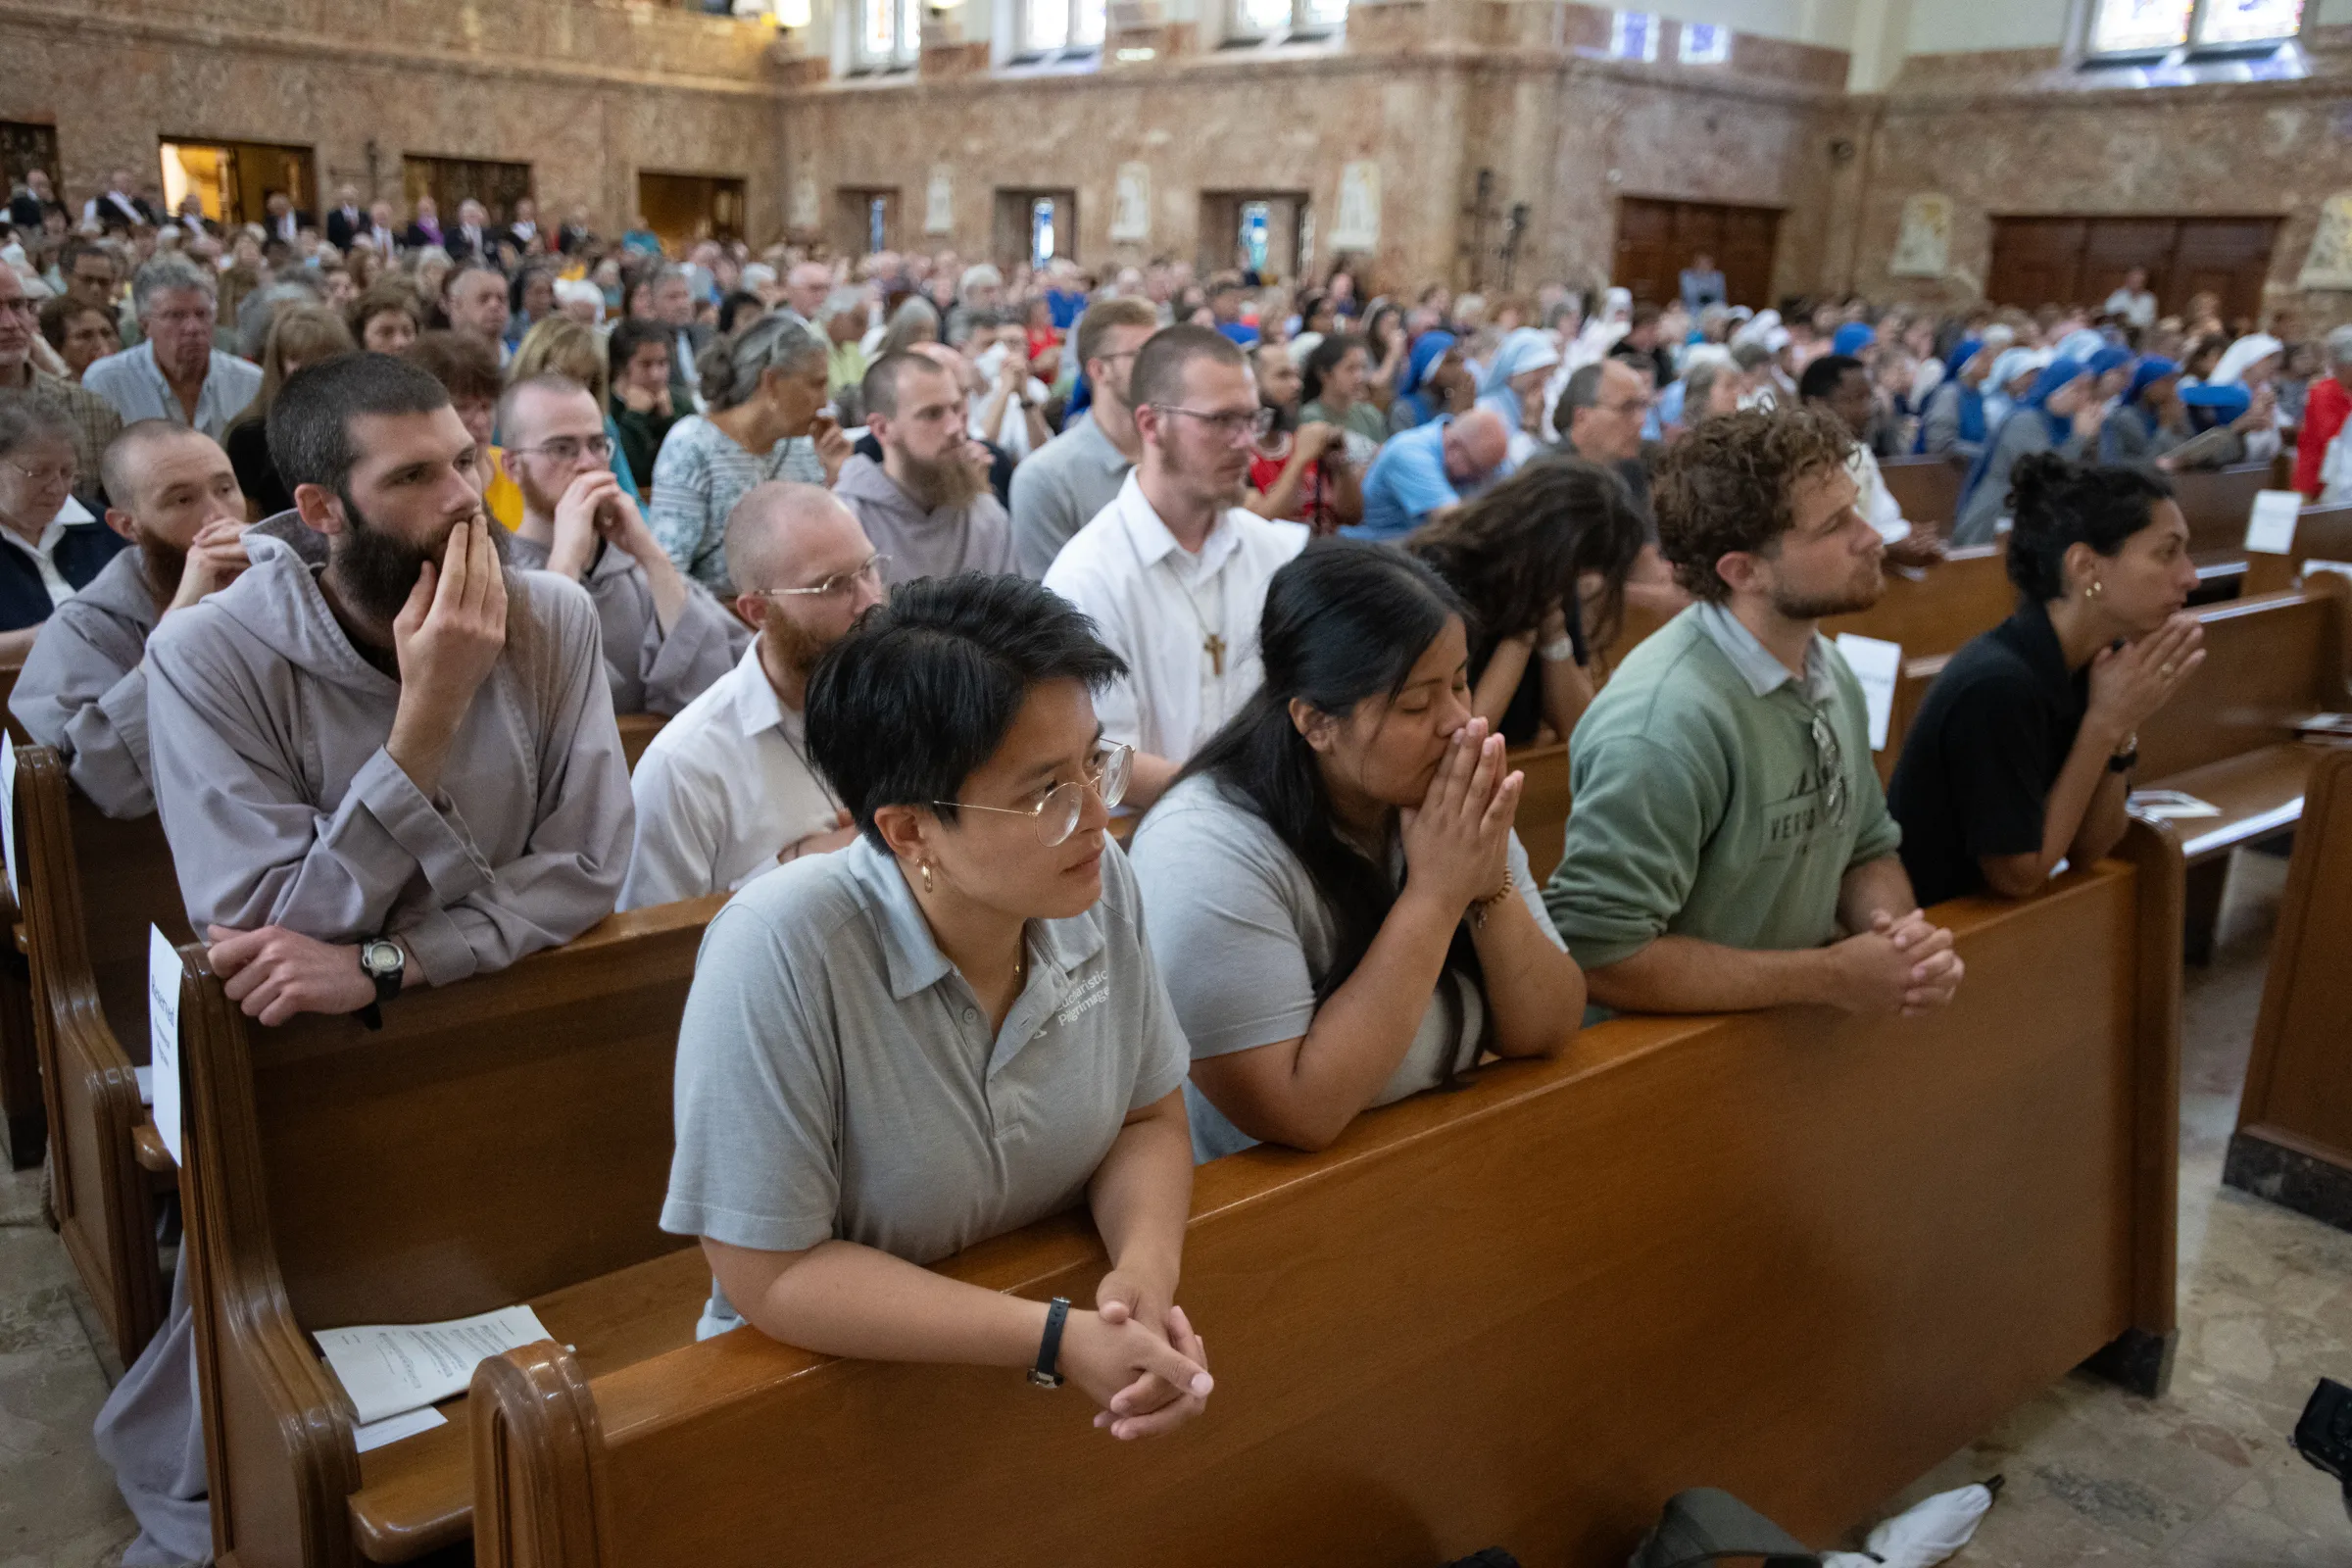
(23, 147)
(683, 209)
(1657, 238)
(1035, 227)
(450, 181)
(1264, 231)
(233, 179)
(865, 222)
(2080, 260)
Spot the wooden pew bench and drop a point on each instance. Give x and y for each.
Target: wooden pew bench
(637, 732)
(2217, 504)
(2293, 1142)
(24, 1120)
(1542, 820)
(1928, 489)
(2321, 533)
(92, 888)
(495, 1143)
(1796, 1254)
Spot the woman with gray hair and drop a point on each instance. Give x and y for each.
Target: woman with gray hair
(765, 396)
(59, 546)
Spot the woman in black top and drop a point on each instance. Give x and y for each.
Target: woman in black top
(1532, 558)
(299, 335)
(2022, 753)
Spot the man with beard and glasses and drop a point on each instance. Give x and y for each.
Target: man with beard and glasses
(380, 761)
(84, 686)
(1174, 572)
(665, 638)
(1729, 847)
(726, 792)
(926, 505)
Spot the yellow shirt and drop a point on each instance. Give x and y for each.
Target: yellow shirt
(504, 499)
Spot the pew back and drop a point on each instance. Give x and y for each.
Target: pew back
(2321, 533)
(1521, 1313)
(1928, 489)
(22, 1116)
(1542, 820)
(2268, 658)
(637, 732)
(1967, 593)
(92, 888)
(495, 1140)
(2217, 502)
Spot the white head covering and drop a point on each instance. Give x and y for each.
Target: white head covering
(2243, 355)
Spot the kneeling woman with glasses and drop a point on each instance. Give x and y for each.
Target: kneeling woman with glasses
(950, 1029)
(1336, 894)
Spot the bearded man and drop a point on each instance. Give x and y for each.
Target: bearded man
(927, 505)
(83, 691)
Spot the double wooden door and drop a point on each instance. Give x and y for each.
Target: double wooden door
(1656, 239)
(2080, 260)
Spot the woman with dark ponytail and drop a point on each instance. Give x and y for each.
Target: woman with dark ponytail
(1332, 887)
(2021, 754)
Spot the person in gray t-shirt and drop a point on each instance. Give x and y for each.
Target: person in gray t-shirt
(950, 1029)
(1333, 886)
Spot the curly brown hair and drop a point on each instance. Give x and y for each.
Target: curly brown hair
(1724, 486)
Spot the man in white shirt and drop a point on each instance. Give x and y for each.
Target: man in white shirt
(1174, 572)
(1841, 384)
(726, 791)
(177, 374)
(2135, 302)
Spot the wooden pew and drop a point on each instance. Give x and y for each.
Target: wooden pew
(92, 887)
(23, 1122)
(1928, 489)
(2293, 1142)
(494, 1142)
(2321, 533)
(2225, 737)
(1966, 594)
(637, 732)
(1796, 1254)
(1542, 820)
(2217, 502)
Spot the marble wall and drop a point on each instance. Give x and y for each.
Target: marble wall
(585, 91)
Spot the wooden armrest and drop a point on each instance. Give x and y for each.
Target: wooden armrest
(147, 1145)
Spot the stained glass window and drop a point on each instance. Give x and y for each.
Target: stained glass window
(2248, 21)
(1705, 43)
(1633, 35)
(2128, 26)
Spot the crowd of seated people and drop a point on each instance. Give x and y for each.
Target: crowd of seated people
(951, 584)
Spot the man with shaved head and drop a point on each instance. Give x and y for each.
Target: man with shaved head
(926, 503)
(726, 791)
(665, 638)
(83, 691)
(1430, 470)
(806, 286)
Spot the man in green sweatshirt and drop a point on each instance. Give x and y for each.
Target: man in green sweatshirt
(1728, 846)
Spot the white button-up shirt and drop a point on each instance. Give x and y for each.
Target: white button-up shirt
(1876, 502)
(134, 384)
(720, 792)
(1158, 607)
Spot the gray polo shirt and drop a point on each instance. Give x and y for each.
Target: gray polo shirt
(1244, 940)
(837, 1076)
(1057, 491)
(134, 384)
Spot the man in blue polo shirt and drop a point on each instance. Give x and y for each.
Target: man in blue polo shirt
(1430, 470)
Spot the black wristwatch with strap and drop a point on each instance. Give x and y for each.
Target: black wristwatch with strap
(385, 962)
(2125, 761)
(1049, 1351)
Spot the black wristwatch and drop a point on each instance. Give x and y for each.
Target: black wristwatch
(1049, 1350)
(2125, 761)
(385, 962)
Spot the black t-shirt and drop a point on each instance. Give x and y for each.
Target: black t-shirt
(1989, 742)
(1524, 717)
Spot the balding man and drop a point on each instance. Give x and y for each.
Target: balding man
(805, 287)
(665, 638)
(1430, 470)
(475, 299)
(726, 791)
(84, 686)
(95, 422)
(926, 505)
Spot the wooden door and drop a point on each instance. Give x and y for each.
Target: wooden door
(2036, 261)
(685, 208)
(866, 221)
(2227, 256)
(1657, 238)
(23, 147)
(2112, 246)
(2080, 260)
(498, 187)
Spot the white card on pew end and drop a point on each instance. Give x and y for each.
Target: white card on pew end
(2270, 527)
(8, 811)
(1877, 664)
(393, 1428)
(390, 1367)
(2342, 568)
(162, 1037)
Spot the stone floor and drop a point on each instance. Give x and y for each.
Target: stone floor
(2203, 1478)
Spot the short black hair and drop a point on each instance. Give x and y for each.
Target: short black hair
(2058, 503)
(1822, 376)
(920, 693)
(632, 333)
(1582, 392)
(1158, 374)
(309, 425)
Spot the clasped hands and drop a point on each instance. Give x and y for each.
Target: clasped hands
(1137, 1357)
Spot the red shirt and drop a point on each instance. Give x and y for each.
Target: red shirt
(1266, 472)
(2324, 413)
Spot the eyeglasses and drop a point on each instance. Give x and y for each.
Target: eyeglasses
(27, 307)
(1056, 812)
(62, 478)
(1831, 758)
(839, 585)
(1233, 427)
(571, 448)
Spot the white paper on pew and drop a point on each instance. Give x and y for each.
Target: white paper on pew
(393, 1428)
(8, 811)
(2270, 527)
(146, 1077)
(1877, 664)
(390, 1367)
(162, 1042)
(2170, 804)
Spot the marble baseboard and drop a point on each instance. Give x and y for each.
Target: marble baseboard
(2292, 1179)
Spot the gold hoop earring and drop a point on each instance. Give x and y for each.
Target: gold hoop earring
(924, 866)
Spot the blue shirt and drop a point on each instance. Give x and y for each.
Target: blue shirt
(1240, 332)
(1406, 482)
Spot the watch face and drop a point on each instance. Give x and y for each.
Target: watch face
(381, 958)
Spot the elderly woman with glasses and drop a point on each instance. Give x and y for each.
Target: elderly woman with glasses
(950, 1029)
(55, 546)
